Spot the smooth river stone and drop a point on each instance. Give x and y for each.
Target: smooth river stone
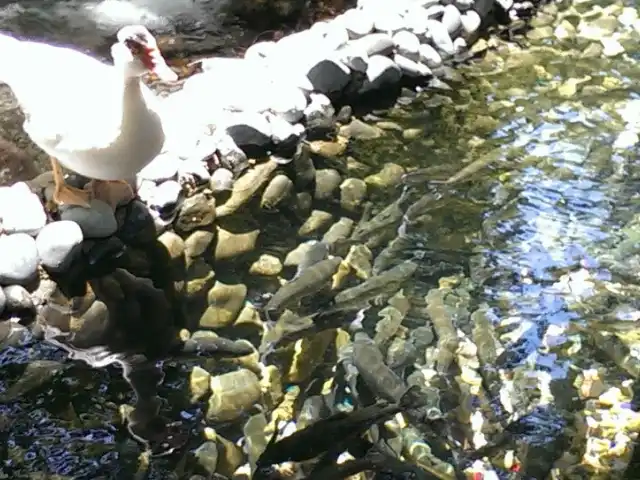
(225, 302)
(97, 221)
(18, 259)
(59, 244)
(233, 394)
(21, 210)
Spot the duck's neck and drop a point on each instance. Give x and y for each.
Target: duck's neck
(133, 103)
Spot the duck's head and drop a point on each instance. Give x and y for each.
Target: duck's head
(137, 53)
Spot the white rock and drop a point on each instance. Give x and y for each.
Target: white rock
(21, 210)
(58, 244)
(410, 67)
(329, 76)
(353, 58)
(357, 22)
(470, 22)
(259, 50)
(319, 108)
(18, 259)
(451, 19)
(464, 5)
(388, 22)
(407, 44)
(434, 12)
(416, 21)
(331, 34)
(381, 72)
(163, 167)
(281, 130)
(372, 44)
(430, 56)
(460, 45)
(286, 101)
(440, 37)
(231, 156)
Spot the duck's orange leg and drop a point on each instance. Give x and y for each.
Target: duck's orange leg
(112, 192)
(65, 194)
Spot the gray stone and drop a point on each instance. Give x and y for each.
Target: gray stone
(21, 210)
(248, 129)
(18, 298)
(451, 19)
(381, 72)
(3, 300)
(163, 167)
(327, 182)
(231, 156)
(329, 76)
(259, 50)
(18, 259)
(319, 113)
(463, 5)
(221, 180)
(193, 170)
(97, 221)
(58, 244)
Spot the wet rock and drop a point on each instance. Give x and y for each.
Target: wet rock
(198, 243)
(234, 240)
(18, 299)
(303, 166)
(329, 149)
(199, 384)
(360, 260)
(278, 190)
(440, 37)
(196, 211)
(58, 244)
(199, 279)
(246, 187)
(318, 221)
(19, 259)
(303, 202)
(341, 230)
(21, 210)
(98, 221)
(225, 302)
(390, 176)
(173, 243)
(233, 394)
(353, 192)
(327, 182)
(267, 265)
(221, 180)
(207, 456)
(471, 22)
(360, 130)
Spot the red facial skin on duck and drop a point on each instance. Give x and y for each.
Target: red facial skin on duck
(151, 58)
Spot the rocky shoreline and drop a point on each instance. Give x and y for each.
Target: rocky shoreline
(201, 262)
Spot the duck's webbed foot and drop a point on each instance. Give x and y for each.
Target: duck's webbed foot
(112, 192)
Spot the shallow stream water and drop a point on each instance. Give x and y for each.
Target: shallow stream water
(552, 208)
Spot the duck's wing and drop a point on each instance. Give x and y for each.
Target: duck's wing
(61, 91)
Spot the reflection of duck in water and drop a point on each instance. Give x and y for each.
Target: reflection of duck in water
(98, 120)
(125, 319)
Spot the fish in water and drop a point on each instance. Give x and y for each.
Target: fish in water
(322, 436)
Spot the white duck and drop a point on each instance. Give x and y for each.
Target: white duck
(98, 120)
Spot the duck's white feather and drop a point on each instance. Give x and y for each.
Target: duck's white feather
(83, 112)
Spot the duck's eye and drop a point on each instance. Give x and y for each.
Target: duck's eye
(134, 46)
